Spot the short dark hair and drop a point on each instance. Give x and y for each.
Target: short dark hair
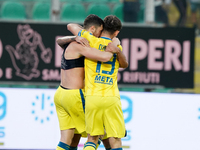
(92, 20)
(112, 24)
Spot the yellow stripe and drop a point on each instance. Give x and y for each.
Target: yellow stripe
(125, 146)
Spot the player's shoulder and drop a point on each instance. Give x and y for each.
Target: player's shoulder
(85, 33)
(74, 46)
(82, 32)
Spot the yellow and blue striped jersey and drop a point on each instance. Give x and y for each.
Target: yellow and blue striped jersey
(100, 77)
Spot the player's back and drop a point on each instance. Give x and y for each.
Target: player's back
(100, 77)
(72, 68)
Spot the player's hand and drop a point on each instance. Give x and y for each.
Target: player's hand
(83, 41)
(116, 41)
(111, 47)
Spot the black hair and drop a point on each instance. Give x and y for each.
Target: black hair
(112, 24)
(92, 20)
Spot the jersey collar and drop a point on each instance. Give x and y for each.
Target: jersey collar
(106, 38)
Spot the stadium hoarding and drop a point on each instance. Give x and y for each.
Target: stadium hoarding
(154, 121)
(157, 56)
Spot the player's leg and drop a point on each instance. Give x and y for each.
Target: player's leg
(105, 141)
(66, 139)
(106, 144)
(115, 143)
(91, 143)
(67, 136)
(75, 141)
(98, 143)
(94, 122)
(114, 123)
(65, 115)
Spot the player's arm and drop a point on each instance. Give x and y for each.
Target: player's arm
(93, 53)
(77, 30)
(74, 28)
(67, 39)
(123, 63)
(112, 46)
(64, 40)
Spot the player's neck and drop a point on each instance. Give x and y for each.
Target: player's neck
(106, 35)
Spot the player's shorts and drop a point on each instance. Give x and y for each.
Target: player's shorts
(70, 105)
(104, 113)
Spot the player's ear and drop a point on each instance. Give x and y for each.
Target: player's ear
(92, 28)
(116, 33)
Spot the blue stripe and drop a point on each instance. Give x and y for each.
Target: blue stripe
(90, 144)
(73, 148)
(79, 33)
(99, 141)
(63, 145)
(105, 38)
(117, 149)
(83, 99)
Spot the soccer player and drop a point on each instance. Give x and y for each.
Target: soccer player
(69, 97)
(103, 106)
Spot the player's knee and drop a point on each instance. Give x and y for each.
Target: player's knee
(115, 142)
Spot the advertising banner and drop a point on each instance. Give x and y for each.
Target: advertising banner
(156, 56)
(29, 53)
(154, 121)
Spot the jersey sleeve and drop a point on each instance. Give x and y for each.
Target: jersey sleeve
(88, 36)
(120, 47)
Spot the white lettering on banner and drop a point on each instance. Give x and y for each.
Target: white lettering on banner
(8, 73)
(155, 54)
(186, 56)
(137, 55)
(172, 56)
(140, 50)
(51, 74)
(141, 77)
